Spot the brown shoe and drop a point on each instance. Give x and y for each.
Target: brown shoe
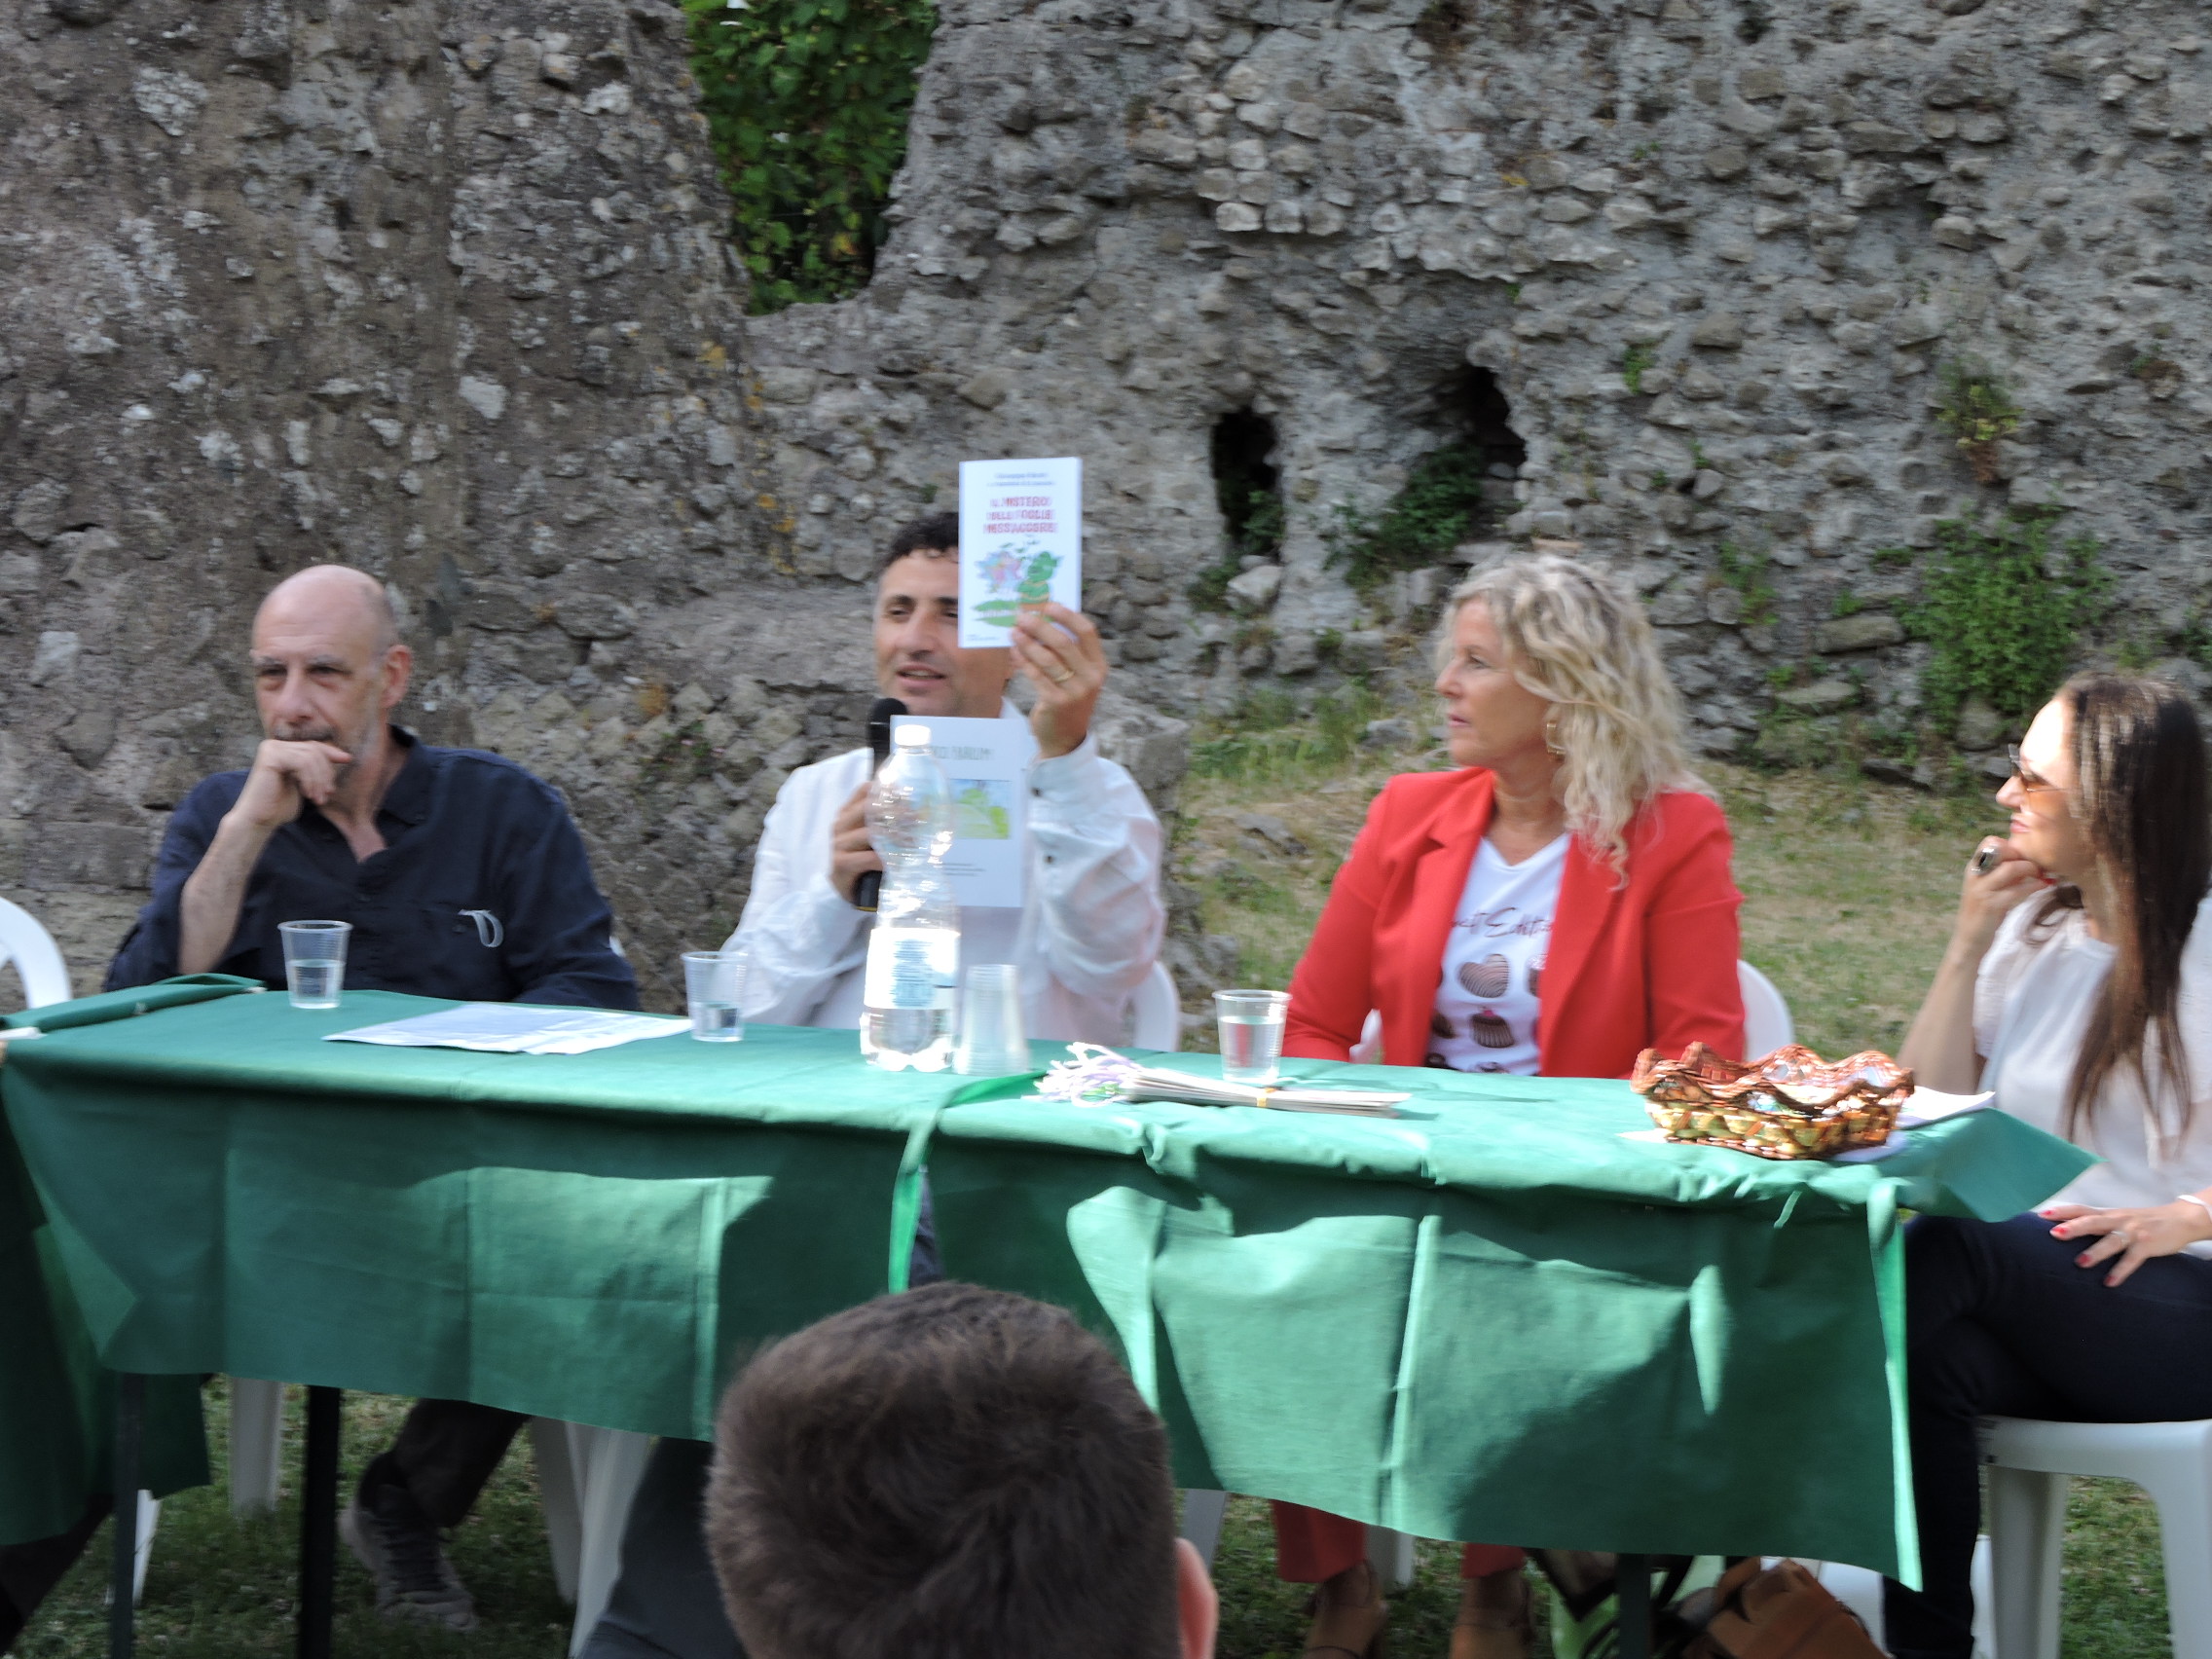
(1493, 1617)
(1349, 1615)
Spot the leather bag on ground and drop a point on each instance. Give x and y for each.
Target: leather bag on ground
(1780, 1612)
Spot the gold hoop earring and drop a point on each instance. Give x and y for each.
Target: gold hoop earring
(1551, 736)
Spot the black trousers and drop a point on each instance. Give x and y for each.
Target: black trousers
(445, 1453)
(27, 1571)
(1999, 1322)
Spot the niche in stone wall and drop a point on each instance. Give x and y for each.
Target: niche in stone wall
(1458, 491)
(1248, 487)
(1486, 421)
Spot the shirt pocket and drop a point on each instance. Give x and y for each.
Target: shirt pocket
(461, 949)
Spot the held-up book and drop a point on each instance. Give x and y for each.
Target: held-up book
(1097, 1076)
(1020, 542)
(988, 764)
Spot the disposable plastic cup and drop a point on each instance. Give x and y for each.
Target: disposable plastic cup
(1251, 1033)
(991, 1041)
(714, 982)
(314, 960)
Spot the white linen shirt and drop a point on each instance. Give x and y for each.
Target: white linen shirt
(2031, 1005)
(1085, 939)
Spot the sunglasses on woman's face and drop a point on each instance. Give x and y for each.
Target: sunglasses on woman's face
(2031, 781)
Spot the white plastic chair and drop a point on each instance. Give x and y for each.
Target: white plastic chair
(2029, 1463)
(1766, 1016)
(586, 1479)
(1155, 1013)
(37, 958)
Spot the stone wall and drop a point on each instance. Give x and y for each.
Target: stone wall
(1120, 223)
(439, 287)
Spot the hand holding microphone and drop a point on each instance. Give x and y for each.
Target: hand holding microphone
(851, 848)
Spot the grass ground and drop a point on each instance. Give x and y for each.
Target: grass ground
(1848, 890)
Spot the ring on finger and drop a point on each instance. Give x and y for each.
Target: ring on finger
(2122, 1237)
(1063, 677)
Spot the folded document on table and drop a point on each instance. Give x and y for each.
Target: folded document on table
(513, 1028)
(1097, 1075)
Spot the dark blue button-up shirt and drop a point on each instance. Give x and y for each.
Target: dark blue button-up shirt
(483, 890)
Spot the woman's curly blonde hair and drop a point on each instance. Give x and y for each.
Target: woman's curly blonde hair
(1575, 639)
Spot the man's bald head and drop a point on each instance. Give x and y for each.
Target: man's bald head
(331, 598)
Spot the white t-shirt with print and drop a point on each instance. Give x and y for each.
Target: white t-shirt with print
(1485, 1018)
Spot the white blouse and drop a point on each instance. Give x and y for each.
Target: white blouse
(1487, 1003)
(2031, 1005)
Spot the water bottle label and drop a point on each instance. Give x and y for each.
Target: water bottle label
(911, 968)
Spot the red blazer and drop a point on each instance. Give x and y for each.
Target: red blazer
(1645, 964)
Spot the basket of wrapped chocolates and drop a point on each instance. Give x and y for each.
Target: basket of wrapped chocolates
(1791, 1104)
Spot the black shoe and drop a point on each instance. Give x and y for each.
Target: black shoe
(385, 1527)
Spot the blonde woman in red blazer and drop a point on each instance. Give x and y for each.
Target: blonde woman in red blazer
(1563, 729)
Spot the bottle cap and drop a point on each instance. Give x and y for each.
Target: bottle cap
(911, 736)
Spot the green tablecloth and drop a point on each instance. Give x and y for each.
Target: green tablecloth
(1497, 1317)
(1493, 1317)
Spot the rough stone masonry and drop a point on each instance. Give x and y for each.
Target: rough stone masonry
(440, 287)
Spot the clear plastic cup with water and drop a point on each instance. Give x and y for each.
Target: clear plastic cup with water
(714, 982)
(314, 960)
(1251, 1033)
(992, 1041)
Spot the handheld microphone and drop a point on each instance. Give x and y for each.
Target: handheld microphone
(881, 713)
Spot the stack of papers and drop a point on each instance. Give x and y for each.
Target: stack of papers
(514, 1029)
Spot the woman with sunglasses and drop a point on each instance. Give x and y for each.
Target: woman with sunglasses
(2078, 986)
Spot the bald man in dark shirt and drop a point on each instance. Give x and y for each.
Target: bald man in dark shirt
(462, 875)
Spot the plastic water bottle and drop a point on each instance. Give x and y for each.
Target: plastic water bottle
(910, 804)
(913, 955)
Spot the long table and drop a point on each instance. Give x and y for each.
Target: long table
(1501, 1316)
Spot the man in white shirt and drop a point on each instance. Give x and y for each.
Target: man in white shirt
(1090, 929)
(1084, 940)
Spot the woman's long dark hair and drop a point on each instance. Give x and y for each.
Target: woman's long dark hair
(2142, 798)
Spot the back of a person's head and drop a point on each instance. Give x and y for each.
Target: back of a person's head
(950, 1472)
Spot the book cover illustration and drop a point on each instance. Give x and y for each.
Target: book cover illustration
(1020, 542)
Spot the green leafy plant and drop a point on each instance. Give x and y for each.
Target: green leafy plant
(1440, 507)
(1847, 604)
(682, 757)
(2004, 604)
(1746, 570)
(807, 102)
(2194, 640)
(1973, 406)
(1271, 739)
(1633, 361)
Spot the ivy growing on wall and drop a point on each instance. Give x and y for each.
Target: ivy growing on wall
(2004, 604)
(1441, 507)
(807, 101)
